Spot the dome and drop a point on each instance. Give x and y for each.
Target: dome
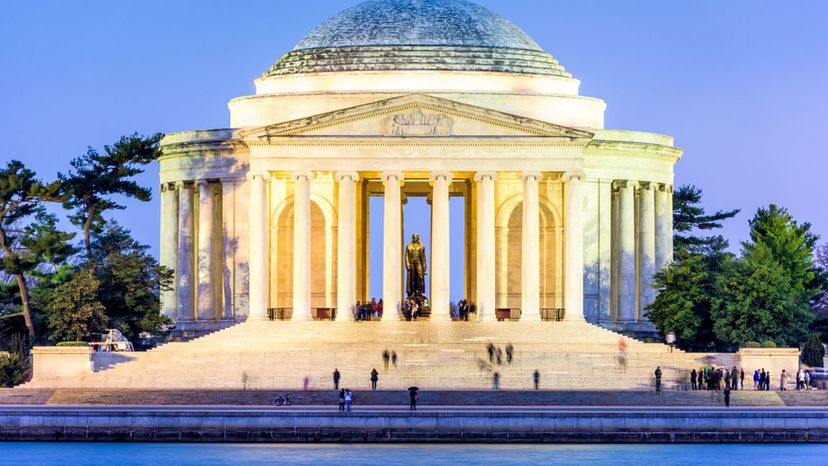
(452, 35)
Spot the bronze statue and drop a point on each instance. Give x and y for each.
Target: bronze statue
(415, 264)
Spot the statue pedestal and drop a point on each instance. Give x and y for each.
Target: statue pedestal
(423, 304)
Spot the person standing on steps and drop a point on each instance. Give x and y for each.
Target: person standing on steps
(693, 385)
(536, 379)
(496, 381)
(727, 397)
(394, 359)
(386, 358)
(342, 401)
(336, 379)
(510, 351)
(491, 350)
(756, 379)
(658, 379)
(742, 377)
(374, 379)
(414, 396)
(734, 379)
(348, 399)
(700, 381)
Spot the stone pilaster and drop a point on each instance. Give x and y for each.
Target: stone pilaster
(346, 246)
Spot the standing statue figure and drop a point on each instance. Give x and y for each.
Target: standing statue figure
(415, 264)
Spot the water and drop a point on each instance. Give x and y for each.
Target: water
(115, 454)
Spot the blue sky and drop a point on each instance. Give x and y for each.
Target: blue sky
(740, 84)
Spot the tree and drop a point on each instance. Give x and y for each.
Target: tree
(813, 352)
(690, 218)
(97, 177)
(74, 311)
(21, 198)
(131, 281)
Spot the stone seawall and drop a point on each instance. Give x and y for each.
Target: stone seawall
(562, 426)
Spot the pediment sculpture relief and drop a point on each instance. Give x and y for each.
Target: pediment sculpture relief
(419, 123)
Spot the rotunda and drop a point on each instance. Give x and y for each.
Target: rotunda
(269, 218)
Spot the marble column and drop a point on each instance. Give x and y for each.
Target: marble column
(169, 245)
(626, 250)
(259, 221)
(668, 228)
(301, 246)
(229, 246)
(440, 247)
(647, 247)
(206, 308)
(346, 246)
(530, 249)
(574, 254)
(186, 309)
(486, 246)
(392, 246)
(661, 212)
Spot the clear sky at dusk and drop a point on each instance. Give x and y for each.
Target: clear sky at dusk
(742, 85)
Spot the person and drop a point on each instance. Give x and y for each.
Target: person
(386, 358)
(693, 385)
(756, 379)
(658, 379)
(358, 311)
(407, 310)
(622, 353)
(742, 377)
(336, 376)
(415, 310)
(536, 378)
(509, 352)
(800, 379)
(783, 381)
(414, 396)
(807, 380)
(727, 397)
(375, 308)
(496, 381)
(499, 356)
(305, 383)
(379, 308)
(463, 307)
(734, 379)
(700, 382)
(374, 378)
(762, 376)
(342, 401)
(491, 350)
(349, 397)
(394, 360)
(472, 310)
(671, 340)
(727, 379)
(767, 380)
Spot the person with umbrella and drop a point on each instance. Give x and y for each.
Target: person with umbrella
(414, 396)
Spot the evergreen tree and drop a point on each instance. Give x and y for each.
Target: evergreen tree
(131, 281)
(97, 177)
(813, 353)
(75, 314)
(27, 235)
(690, 219)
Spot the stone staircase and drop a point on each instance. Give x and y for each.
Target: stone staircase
(432, 355)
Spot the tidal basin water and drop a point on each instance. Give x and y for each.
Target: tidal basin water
(63, 454)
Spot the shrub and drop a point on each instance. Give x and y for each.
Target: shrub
(752, 344)
(768, 344)
(813, 352)
(14, 369)
(73, 343)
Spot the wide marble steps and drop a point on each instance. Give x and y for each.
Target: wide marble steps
(446, 355)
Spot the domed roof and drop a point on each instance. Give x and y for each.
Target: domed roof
(417, 35)
(417, 22)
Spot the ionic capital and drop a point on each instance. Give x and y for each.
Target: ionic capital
(392, 176)
(183, 185)
(441, 175)
(299, 175)
(576, 175)
(667, 188)
(622, 184)
(646, 185)
(531, 176)
(480, 176)
(262, 174)
(347, 176)
(202, 183)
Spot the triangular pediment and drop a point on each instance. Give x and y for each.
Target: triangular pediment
(415, 116)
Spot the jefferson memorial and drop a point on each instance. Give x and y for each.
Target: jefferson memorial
(564, 218)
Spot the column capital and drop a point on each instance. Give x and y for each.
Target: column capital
(261, 174)
(183, 184)
(202, 182)
(667, 188)
(480, 176)
(648, 185)
(388, 176)
(531, 176)
(618, 184)
(441, 175)
(297, 175)
(347, 176)
(576, 175)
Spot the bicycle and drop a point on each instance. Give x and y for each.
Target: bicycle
(282, 401)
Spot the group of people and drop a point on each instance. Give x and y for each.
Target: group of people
(411, 309)
(345, 399)
(368, 310)
(496, 354)
(389, 358)
(463, 309)
(803, 380)
(710, 378)
(762, 379)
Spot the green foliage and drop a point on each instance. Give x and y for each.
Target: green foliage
(97, 177)
(769, 344)
(72, 344)
(813, 352)
(131, 282)
(74, 311)
(767, 294)
(753, 344)
(690, 218)
(14, 369)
